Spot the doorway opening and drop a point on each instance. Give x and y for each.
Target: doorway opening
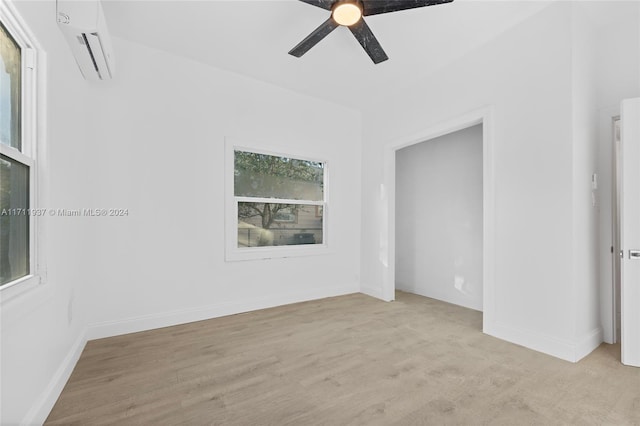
(484, 118)
(439, 218)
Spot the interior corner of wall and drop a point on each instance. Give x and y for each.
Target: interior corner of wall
(371, 291)
(588, 343)
(41, 408)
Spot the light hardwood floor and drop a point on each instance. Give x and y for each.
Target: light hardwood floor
(344, 360)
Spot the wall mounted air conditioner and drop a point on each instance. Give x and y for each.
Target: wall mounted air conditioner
(84, 26)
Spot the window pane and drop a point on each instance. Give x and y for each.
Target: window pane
(10, 90)
(271, 224)
(268, 176)
(14, 221)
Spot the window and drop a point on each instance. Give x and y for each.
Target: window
(277, 205)
(17, 153)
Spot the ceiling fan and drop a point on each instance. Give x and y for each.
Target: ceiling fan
(349, 13)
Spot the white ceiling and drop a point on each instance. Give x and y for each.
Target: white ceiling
(253, 37)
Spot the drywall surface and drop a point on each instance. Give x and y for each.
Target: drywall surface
(158, 152)
(525, 75)
(617, 43)
(439, 218)
(42, 330)
(585, 184)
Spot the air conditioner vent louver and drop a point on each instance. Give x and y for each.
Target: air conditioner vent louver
(93, 59)
(86, 32)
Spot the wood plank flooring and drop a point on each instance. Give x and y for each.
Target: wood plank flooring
(345, 360)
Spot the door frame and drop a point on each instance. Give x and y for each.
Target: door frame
(616, 262)
(482, 116)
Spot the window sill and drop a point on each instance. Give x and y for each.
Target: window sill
(17, 287)
(278, 252)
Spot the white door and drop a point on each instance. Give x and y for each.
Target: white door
(630, 232)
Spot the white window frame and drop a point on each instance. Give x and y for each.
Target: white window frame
(233, 252)
(32, 79)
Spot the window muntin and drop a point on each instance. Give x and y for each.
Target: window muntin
(279, 202)
(10, 90)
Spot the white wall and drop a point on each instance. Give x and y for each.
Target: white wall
(439, 218)
(42, 331)
(159, 151)
(585, 197)
(526, 75)
(605, 70)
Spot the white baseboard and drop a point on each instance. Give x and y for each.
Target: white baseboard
(167, 319)
(42, 407)
(559, 348)
(589, 343)
(373, 292)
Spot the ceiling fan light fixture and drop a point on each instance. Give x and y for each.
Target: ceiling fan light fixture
(347, 13)
(350, 14)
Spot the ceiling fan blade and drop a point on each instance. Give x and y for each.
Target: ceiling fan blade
(324, 4)
(312, 39)
(363, 34)
(376, 7)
